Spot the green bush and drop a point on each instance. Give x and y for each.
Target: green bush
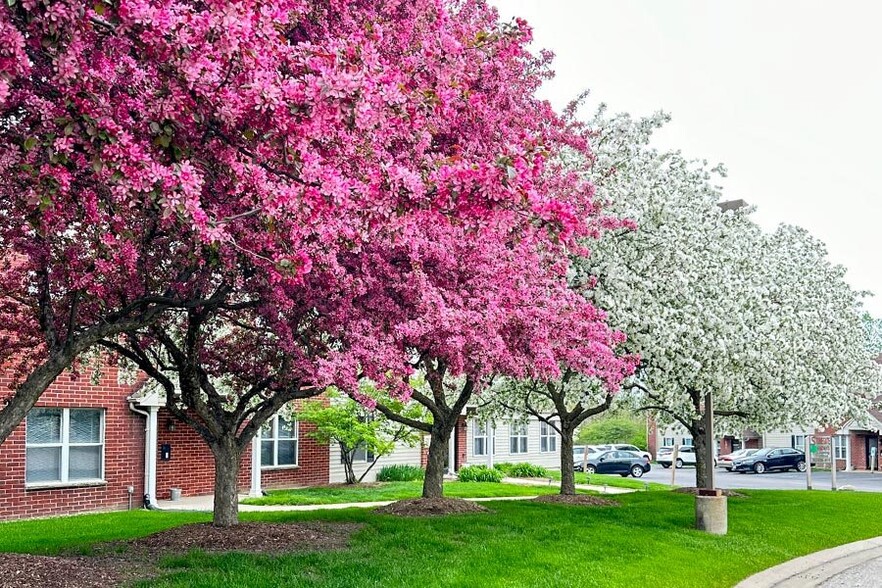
(504, 467)
(527, 470)
(479, 473)
(400, 473)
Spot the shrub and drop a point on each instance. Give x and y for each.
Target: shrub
(504, 467)
(527, 470)
(400, 473)
(479, 473)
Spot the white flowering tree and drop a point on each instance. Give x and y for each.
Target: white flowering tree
(564, 404)
(712, 304)
(873, 327)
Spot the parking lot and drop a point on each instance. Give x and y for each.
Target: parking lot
(861, 481)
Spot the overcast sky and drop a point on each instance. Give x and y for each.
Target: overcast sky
(787, 94)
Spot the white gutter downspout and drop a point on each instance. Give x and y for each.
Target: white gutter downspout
(150, 440)
(256, 490)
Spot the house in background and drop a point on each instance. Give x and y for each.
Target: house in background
(854, 445)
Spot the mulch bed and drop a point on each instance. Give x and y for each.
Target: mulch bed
(39, 571)
(119, 562)
(427, 507)
(578, 499)
(694, 492)
(244, 537)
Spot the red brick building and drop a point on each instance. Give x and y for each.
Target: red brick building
(107, 446)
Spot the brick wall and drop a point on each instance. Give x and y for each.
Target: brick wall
(462, 448)
(191, 467)
(858, 451)
(123, 452)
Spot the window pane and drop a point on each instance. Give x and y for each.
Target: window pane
(287, 429)
(287, 453)
(84, 463)
(552, 443)
(543, 444)
(266, 431)
(85, 426)
(266, 453)
(479, 446)
(44, 425)
(43, 464)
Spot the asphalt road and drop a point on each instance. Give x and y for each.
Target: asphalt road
(685, 476)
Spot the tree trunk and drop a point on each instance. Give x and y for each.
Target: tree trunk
(433, 483)
(700, 443)
(226, 482)
(29, 392)
(567, 476)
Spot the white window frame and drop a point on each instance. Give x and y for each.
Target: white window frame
(668, 441)
(547, 438)
(840, 447)
(274, 438)
(65, 446)
(518, 438)
(798, 442)
(480, 432)
(687, 441)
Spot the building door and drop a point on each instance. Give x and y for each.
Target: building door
(872, 443)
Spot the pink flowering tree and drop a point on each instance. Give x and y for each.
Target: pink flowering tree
(464, 306)
(194, 185)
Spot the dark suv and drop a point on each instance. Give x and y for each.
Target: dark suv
(771, 458)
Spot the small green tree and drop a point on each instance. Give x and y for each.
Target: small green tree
(613, 429)
(353, 427)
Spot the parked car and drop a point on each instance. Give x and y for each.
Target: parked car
(635, 449)
(624, 463)
(579, 451)
(685, 456)
(771, 458)
(725, 461)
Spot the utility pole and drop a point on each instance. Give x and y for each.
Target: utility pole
(808, 462)
(832, 463)
(708, 456)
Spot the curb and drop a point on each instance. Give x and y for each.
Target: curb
(812, 570)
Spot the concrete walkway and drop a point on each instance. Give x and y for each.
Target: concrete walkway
(855, 565)
(556, 484)
(205, 503)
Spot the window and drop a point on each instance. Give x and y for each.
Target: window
(278, 443)
(687, 442)
(359, 454)
(479, 438)
(518, 438)
(797, 442)
(839, 444)
(668, 442)
(64, 445)
(547, 438)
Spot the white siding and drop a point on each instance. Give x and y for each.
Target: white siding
(402, 455)
(783, 438)
(550, 459)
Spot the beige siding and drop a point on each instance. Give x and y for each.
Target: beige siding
(402, 455)
(548, 459)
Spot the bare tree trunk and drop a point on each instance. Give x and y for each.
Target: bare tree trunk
(433, 483)
(226, 482)
(567, 476)
(699, 443)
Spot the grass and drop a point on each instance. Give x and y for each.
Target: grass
(611, 480)
(394, 491)
(648, 541)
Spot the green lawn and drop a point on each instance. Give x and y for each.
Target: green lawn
(395, 491)
(612, 480)
(648, 541)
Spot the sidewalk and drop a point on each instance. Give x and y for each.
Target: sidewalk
(855, 565)
(205, 503)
